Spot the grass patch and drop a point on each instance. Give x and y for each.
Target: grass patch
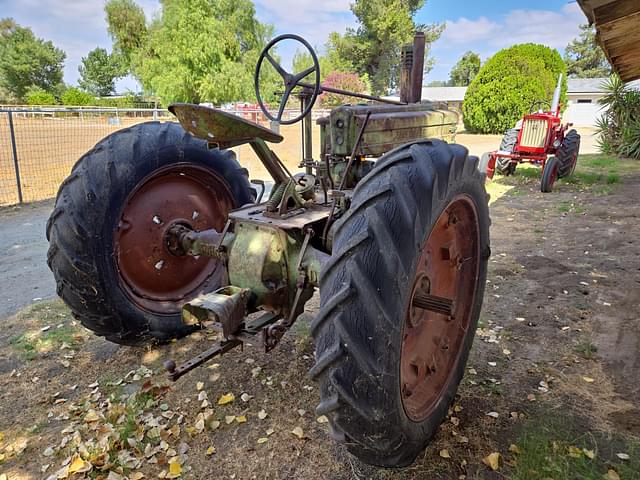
(553, 445)
(586, 350)
(570, 207)
(49, 327)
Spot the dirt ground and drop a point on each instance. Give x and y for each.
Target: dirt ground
(555, 364)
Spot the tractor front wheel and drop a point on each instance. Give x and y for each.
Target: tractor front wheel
(108, 243)
(400, 299)
(549, 174)
(567, 154)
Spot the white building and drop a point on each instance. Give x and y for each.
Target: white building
(583, 95)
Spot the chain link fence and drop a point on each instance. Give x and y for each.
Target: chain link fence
(39, 146)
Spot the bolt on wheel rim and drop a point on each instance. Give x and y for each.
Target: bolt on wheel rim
(153, 276)
(439, 310)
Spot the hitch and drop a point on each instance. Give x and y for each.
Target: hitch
(227, 306)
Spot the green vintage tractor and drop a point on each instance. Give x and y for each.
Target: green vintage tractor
(157, 233)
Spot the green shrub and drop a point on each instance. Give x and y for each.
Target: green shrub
(75, 97)
(619, 127)
(509, 83)
(39, 96)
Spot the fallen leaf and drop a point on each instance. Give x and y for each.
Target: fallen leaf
(322, 419)
(269, 431)
(493, 414)
(175, 469)
(263, 440)
(199, 386)
(211, 450)
(262, 414)
(611, 475)
(574, 452)
(589, 453)
(506, 351)
(229, 419)
(48, 452)
(298, 432)
(91, 416)
(492, 461)
(227, 398)
(241, 419)
(588, 379)
(622, 456)
(444, 453)
(513, 448)
(245, 397)
(78, 465)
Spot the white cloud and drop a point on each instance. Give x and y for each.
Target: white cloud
(552, 28)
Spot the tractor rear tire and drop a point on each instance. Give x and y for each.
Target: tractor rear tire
(549, 175)
(107, 232)
(379, 403)
(504, 165)
(567, 154)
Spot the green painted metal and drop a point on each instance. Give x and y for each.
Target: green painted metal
(388, 127)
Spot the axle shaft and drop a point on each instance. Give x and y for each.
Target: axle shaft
(433, 303)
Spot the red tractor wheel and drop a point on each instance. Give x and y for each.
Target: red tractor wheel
(549, 175)
(107, 235)
(400, 299)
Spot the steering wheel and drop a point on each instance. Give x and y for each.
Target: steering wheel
(539, 103)
(290, 80)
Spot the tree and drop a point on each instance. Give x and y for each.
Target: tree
(98, 72)
(373, 49)
(508, 84)
(26, 60)
(127, 26)
(343, 81)
(38, 96)
(465, 70)
(584, 57)
(76, 97)
(196, 50)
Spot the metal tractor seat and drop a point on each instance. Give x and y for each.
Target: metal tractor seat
(221, 128)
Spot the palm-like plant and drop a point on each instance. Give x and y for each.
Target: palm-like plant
(618, 129)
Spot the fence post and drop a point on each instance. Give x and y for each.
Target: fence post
(14, 150)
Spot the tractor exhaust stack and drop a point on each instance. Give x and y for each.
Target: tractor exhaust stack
(412, 70)
(555, 103)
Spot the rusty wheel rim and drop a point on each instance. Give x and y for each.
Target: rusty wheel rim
(440, 307)
(151, 275)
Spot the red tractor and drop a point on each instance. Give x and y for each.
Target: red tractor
(539, 138)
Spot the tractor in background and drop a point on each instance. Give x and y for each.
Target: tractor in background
(539, 138)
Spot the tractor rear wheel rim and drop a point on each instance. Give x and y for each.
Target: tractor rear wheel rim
(150, 274)
(446, 275)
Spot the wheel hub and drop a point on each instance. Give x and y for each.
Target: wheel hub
(152, 270)
(440, 307)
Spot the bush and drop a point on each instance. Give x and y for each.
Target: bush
(350, 82)
(75, 97)
(509, 83)
(619, 127)
(39, 96)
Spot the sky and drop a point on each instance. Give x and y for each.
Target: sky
(483, 26)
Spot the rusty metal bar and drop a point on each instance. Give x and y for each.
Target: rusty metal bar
(433, 303)
(352, 94)
(355, 149)
(417, 69)
(176, 372)
(14, 152)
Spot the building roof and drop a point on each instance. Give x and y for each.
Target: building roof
(617, 31)
(444, 94)
(592, 85)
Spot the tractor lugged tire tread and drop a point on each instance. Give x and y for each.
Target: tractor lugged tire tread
(508, 143)
(546, 180)
(77, 249)
(565, 153)
(361, 299)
